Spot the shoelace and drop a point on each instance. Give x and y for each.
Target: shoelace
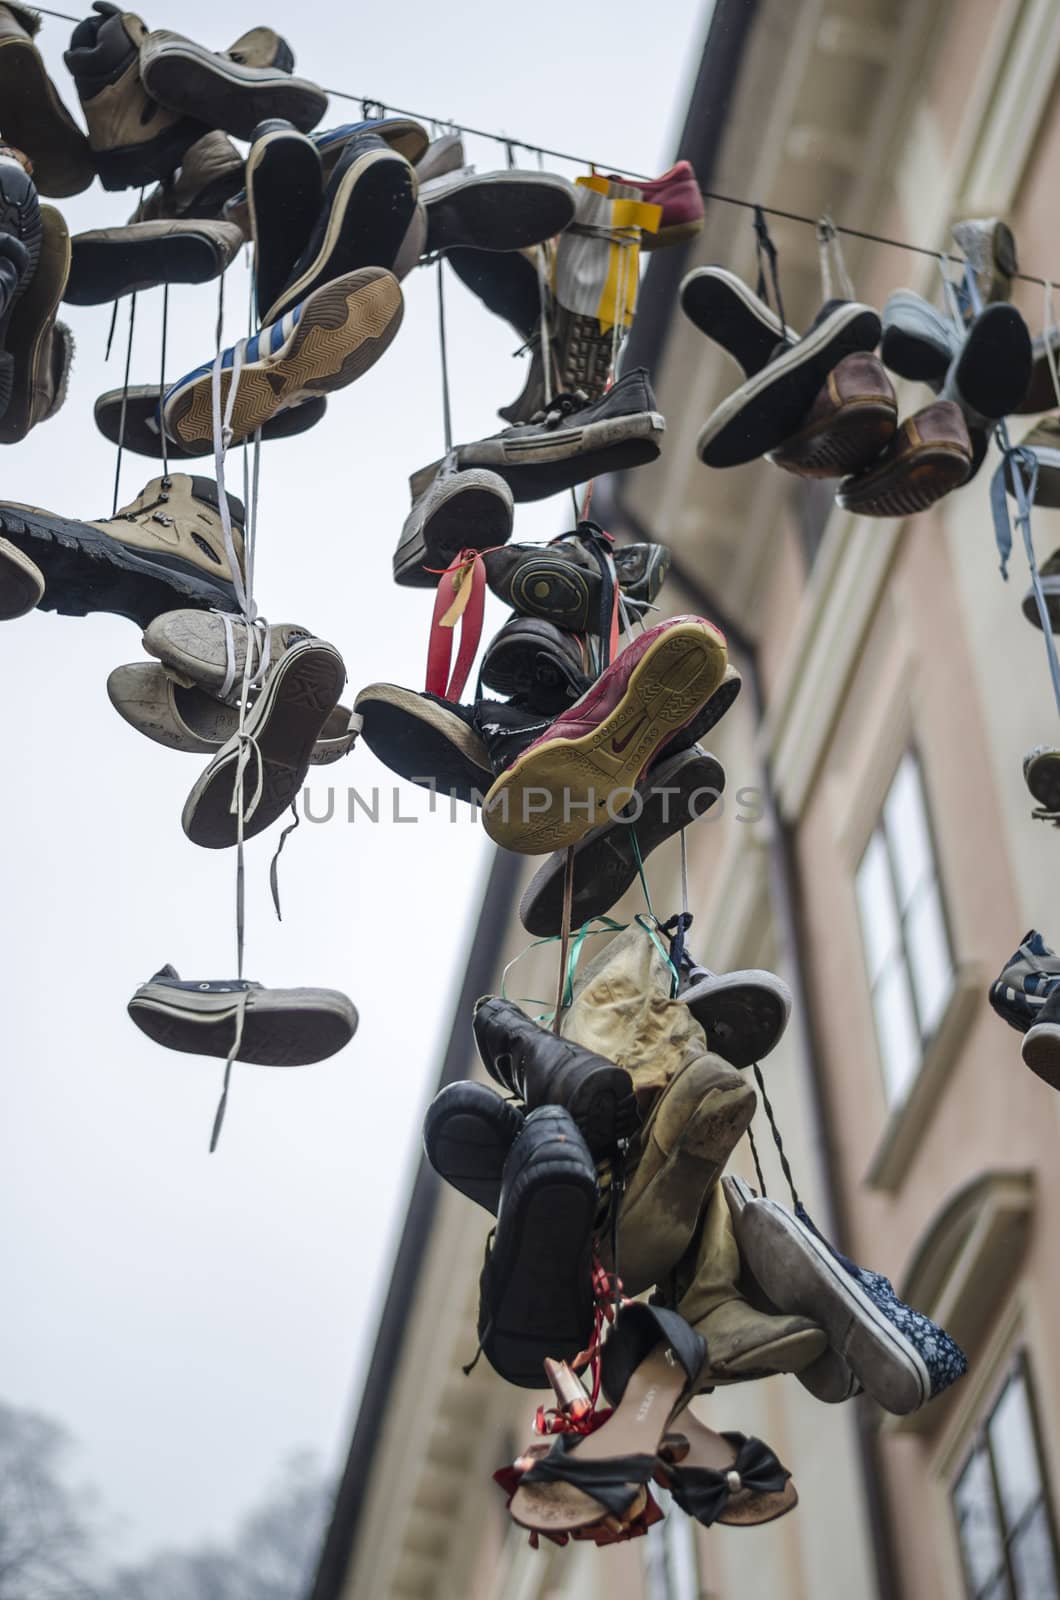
(459, 602)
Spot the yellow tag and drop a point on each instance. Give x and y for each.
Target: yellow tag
(461, 596)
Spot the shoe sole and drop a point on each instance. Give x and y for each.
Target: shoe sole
(800, 1275)
(144, 437)
(21, 583)
(522, 662)
(993, 369)
(847, 442)
(606, 860)
(1051, 595)
(561, 458)
(28, 333)
(342, 332)
(772, 405)
(295, 1030)
(19, 216)
(498, 212)
(910, 485)
(676, 233)
(1042, 777)
(743, 1015)
(218, 93)
(36, 121)
(104, 270)
(285, 164)
(1041, 1052)
(554, 590)
(672, 681)
(730, 315)
(423, 743)
(467, 1137)
(468, 513)
(285, 725)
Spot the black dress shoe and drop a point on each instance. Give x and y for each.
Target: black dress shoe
(467, 1134)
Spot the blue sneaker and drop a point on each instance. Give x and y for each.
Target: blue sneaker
(324, 343)
(410, 139)
(1027, 979)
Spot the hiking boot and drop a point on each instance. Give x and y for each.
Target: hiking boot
(280, 1027)
(917, 341)
(536, 1289)
(35, 118)
(851, 421)
(468, 1132)
(678, 193)
(507, 283)
(109, 262)
(441, 156)
(143, 435)
(563, 583)
(21, 583)
(451, 511)
(205, 651)
(1049, 578)
(773, 404)
(581, 355)
(285, 191)
(990, 250)
(21, 235)
(39, 348)
(929, 456)
(368, 204)
(326, 342)
(722, 306)
(426, 740)
(495, 210)
(1044, 440)
(162, 551)
(545, 666)
(677, 791)
(1041, 1042)
(1041, 774)
(541, 1069)
(226, 89)
(1027, 979)
(211, 172)
(743, 1014)
(595, 752)
(134, 140)
(989, 376)
(572, 443)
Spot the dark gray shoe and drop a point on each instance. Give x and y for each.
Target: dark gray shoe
(280, 1027)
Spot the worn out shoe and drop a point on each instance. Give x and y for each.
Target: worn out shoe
(279, 1027)
(223, 90)
(453, 511)
(1041, 1042)
(106, 263)
(139, 429)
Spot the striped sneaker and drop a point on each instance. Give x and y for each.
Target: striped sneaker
(326, 342)
(1027, 980)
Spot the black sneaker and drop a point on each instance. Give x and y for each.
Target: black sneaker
(1026, 981)
(507, 728)
(285, 191)
(497, 211)
(143, 435)
(1041, 774)
(451, 511)
(506, 281)
(20, 246)
(546, 667)
(467, 1134)
(1041, 1042)
(743, 1014)
(722, 306)
(992, 370)
(425, 740)
(536, 1290)
(280, 1027)
(563, 582)
(106, 263)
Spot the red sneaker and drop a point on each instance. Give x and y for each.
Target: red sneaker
(677, 191)
(587, 764)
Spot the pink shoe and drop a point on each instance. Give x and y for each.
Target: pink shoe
(677, 191)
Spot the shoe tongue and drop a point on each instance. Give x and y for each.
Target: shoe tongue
(206, 489)
(167, 971)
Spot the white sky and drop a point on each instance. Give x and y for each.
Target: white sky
(193, 1318)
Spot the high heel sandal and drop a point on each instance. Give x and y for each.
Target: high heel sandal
(724, 1477)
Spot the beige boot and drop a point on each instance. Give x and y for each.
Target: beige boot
(34, 117)
(211, 173)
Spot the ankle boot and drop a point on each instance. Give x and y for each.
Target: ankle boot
(211, 173)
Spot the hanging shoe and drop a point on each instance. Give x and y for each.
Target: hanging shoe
(426, 740)
(724, 1477)
(989, 248)
(326, 342)
(107, 263)
(1049, 577)
(1041, 773)
(547, 668)
(918, 341)
(678, 193)
(1041, 1043)
(536, 1290)
(452, 510)
(509, 210)
(1044, 440)
(562, 582)
(931, 455)
(285, 193)
(21, 583)
(506, 282)
(743, 1014)
(211, 172)
(1041, 392)
(990, 374)
(541, 1069)
(409, 138)
(600, 746)
(851, 421)
(1026, 981)
(276, 1027)
(721, 305)
(468, 1133)
(208, 651)
(441, 156)
(163, 551)
(39, 348)
(581, 356)
(143, 436)
(232, 90)
(280, 731)
(35, 118)
(21, 235)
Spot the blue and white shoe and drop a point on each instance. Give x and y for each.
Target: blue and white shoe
(324, 343)
(1027, 980)
(410, 139)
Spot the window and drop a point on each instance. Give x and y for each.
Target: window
(903, 926)
(671, 1571)
(1004, 1521)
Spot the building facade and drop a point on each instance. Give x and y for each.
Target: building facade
(875, 847)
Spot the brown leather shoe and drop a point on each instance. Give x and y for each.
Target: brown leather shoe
(851, 421)
(929, 455)
(210, 174)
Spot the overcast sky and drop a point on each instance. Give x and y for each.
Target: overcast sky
(193, 1318)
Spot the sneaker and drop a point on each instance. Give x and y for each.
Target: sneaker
(1041, 391)
(990, 374)
(1044, 440)
(21, 236)
(546, 667)
(207, 651)
(722, 306)
(900, 1357)
(506, 282)
(35, 118)
(285, 722)
(285, 193)
(326, 342)
(426, 740)
(743, 1014)
(1041, 773)
(223, 89)
(773, 404)
(1041, 1042)
(918, 341)
(368, 204)
(572, 443)
(562, 583)
(109, 262)
(851, 421)
(1027, 979)
(536, 1290)
(280, 1027)
(440, 157)
(163, 551)
(468, 1132)
(506, 728)
(495, 210)
(542, 1069)
(581, 356)
(989, 248)
(567, 780)
(21, 582)
(38, 348)
(211, 172)
(451, 511)
(1049, 578)
(677, 791)
(409, 138)
(134, 140)
(929, 456)
(678, 193)
(143, 435)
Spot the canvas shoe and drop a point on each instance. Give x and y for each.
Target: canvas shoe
(676, 792)
(507, 283)
(143, 436)
(1041, 391)
(773, 404)
(208, 651)
(930, 455)
(442, 155)
(547, 668)
(1027, 979)
(280, 731)
(1044, 440)
(1041, 773)
(990, 374)
(285, 191)
(989, 248)
(134, 140)
(572, 443)
(581, 355)
(21, 582)
(918, 341)
(35, 118)
(163, 551)
(541, 1069)
(452, 510)
(562, 582)
(568, 780)
(280, 1027)
(468, 1132)
(743, 1014)
(495, 210)
(1041, 1042)
(324, 343)
(408, 137)
(107, 263)
(225, 89)
(678, 193)
(426, 740)
(721, 305)
(38, 348)
(850, 422)
(1049, 578)
(368, 204)
(211, 172)
(21, 236)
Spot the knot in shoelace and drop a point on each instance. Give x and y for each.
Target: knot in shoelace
(560, 407)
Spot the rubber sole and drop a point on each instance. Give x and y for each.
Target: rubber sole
(467, 1134)
(560, 458)
(280, 1029)
(36, 121)
(676, 233)
(847, 442)
(547, 586)
(28, 335)
(144, 437)
(498, 211)
(743, 1014)
(219, 94)
(526, 659)
(993, 370)
(906, 486)
(285, 190)
(1042, 777)
(1041, 1052)
(424, 743)
(343, 330)
(464, 515)
(723, 308)
(104, 270)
